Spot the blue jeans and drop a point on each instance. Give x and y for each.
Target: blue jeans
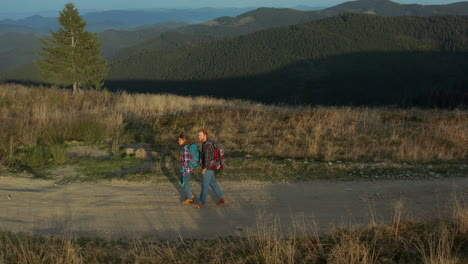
(209, 180)
(185, 181)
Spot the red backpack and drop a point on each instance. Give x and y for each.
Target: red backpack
(219, 160)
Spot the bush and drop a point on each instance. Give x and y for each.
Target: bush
(58, 154)
(36, 156)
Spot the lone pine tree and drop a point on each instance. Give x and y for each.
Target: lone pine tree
(72, 56)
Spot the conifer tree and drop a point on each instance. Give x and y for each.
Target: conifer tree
(72, 55)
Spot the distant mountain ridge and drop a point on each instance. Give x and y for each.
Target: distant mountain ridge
(254, 20)
(390, 8)
(38, 23)
(127, 19)
(264, 18)
(6, 28)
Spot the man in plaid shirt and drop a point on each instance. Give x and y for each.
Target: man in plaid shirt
(208, 174)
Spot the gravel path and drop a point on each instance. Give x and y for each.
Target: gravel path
(120, 209)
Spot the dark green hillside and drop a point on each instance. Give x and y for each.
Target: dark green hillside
(114, 40)
(366, 78)
(17, 49)
(269, 50)
(171, 41)
(307, 61)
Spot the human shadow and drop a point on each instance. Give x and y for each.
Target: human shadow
(172, 175)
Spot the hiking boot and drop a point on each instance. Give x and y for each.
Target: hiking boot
(198, 204)
(187, 201)
(221, 201)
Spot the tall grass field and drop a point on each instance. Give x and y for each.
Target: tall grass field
(37, 122)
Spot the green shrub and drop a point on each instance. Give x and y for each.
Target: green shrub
(59, 154)
(89, 130)
(36, 156)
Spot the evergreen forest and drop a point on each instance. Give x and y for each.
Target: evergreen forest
(351, 59)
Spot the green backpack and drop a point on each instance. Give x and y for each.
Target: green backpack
(194, 156)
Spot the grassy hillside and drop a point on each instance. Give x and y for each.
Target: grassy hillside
(42, 117)
(351, 59)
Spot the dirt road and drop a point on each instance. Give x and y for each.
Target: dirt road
(125, 209)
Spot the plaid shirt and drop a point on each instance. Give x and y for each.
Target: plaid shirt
(185, 160)
(207, 154)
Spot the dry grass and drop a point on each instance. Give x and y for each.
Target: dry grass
(349, 249)
(46, 116)
(460, 214)
(438, 246)
(399, 242)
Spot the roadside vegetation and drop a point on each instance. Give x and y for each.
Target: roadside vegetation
(262, 141)
(437, 241)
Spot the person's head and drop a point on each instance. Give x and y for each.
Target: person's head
(202, 135)
(183, 140)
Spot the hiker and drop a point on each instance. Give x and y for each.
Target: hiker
(209, 169)
(189, 158)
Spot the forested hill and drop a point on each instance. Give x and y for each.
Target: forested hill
(5, 29)
(390, 8)
(256, 20)
(344, 56)
(115, 40)
(264, 18)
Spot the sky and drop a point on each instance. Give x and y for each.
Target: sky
(16, 6)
